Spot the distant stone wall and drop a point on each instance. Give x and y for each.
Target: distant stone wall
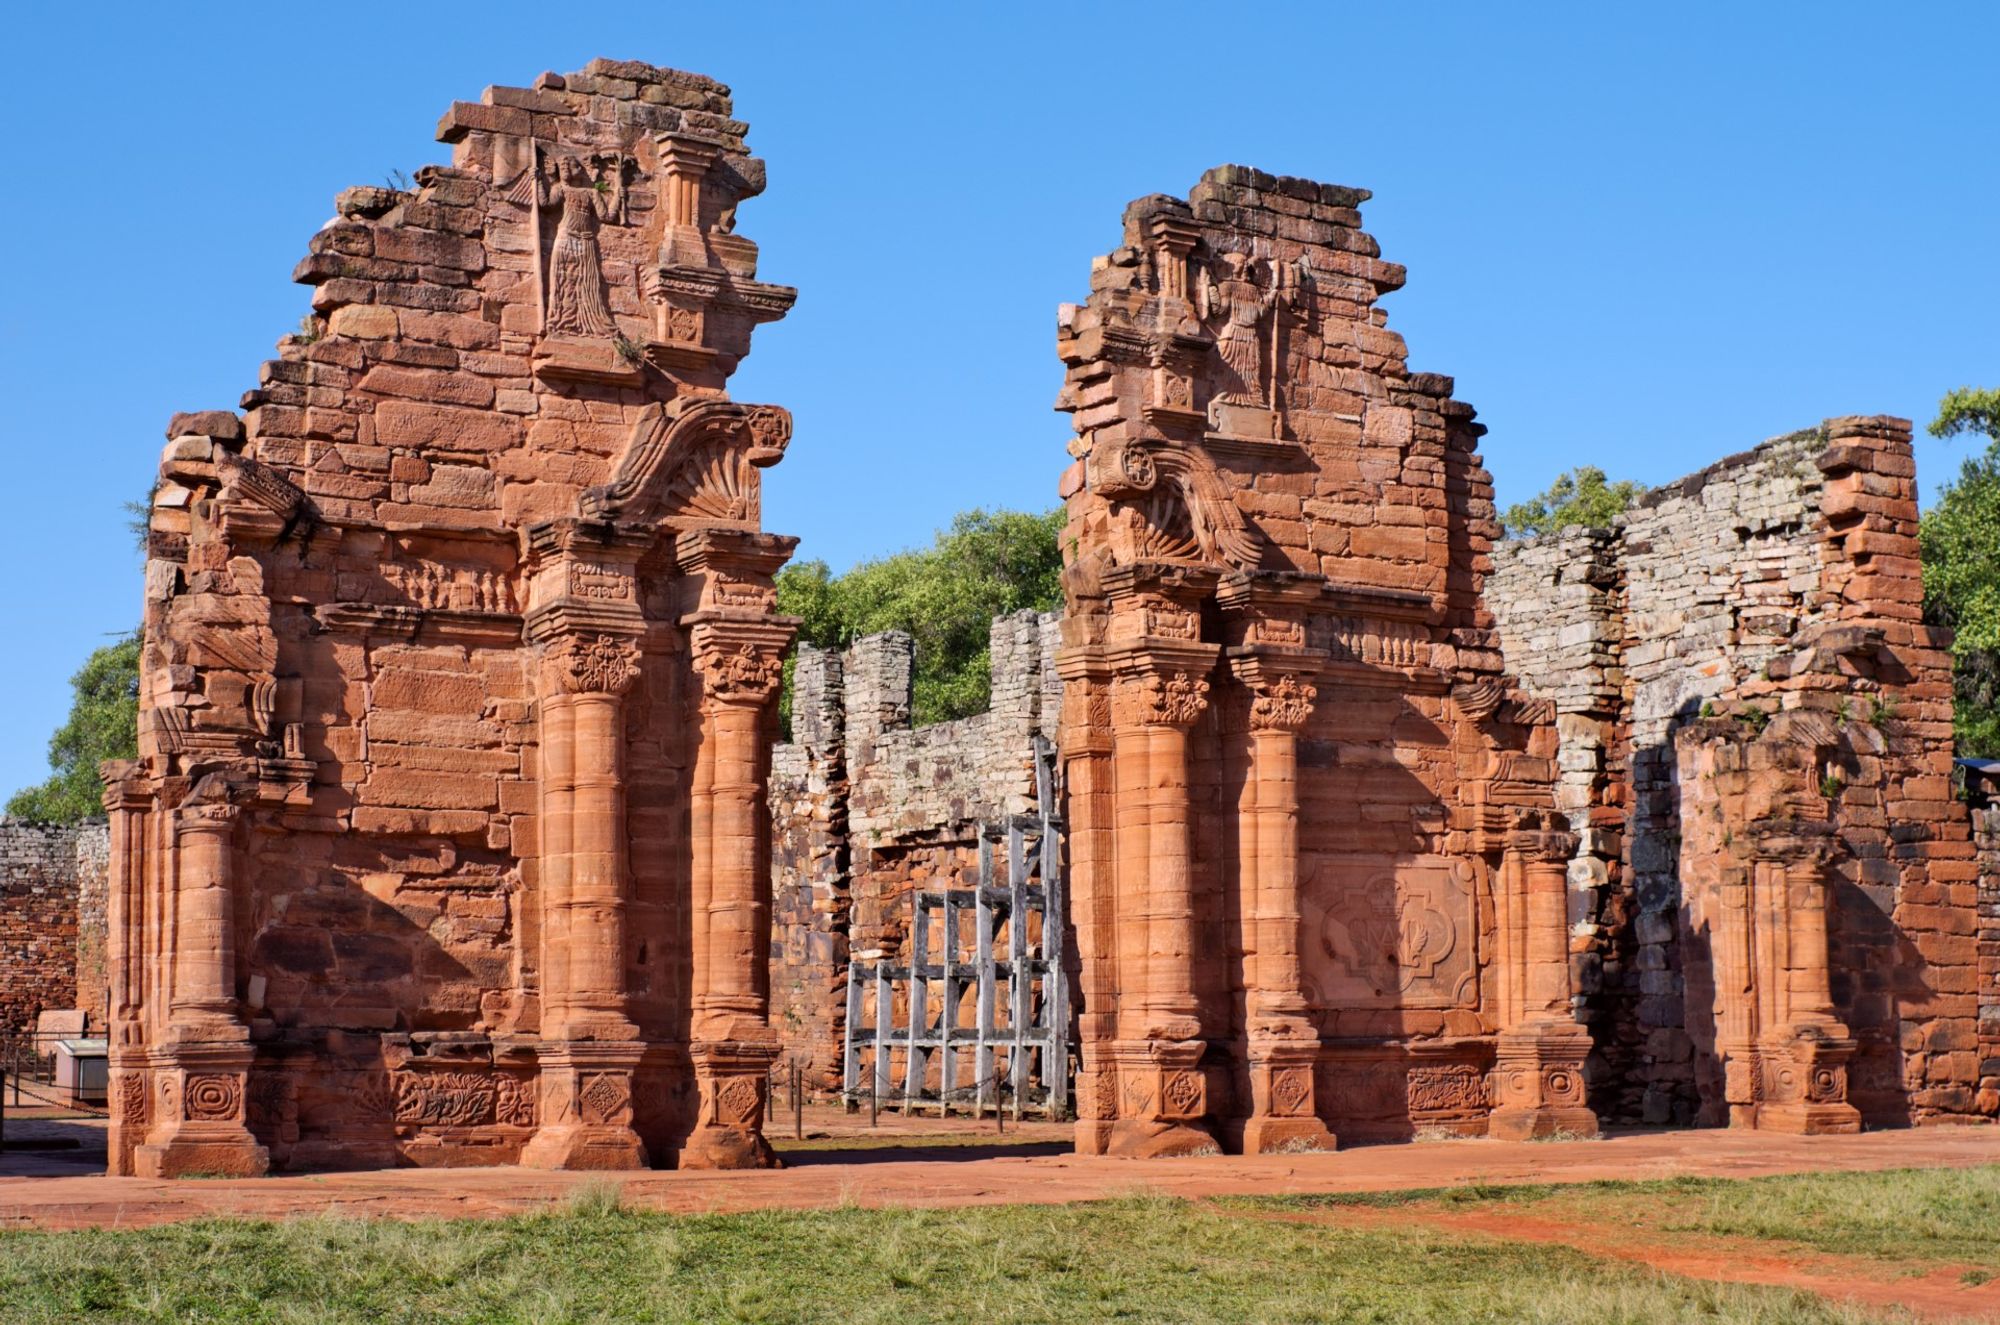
(865, 807)
(52, 888)
(1986, 834)
(1784, 577)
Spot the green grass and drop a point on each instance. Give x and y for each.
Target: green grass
(1898, 1214)
(1139, 1259)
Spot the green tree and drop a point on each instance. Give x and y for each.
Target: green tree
(1582, 497)
(103, 724)
(1960, 537)
(986, 564)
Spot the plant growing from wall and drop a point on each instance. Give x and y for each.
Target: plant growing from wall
(1960, 538)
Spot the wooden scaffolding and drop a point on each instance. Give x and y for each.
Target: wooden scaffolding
(1000, 945)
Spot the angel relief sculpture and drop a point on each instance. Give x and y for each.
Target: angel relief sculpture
(587, 195)
(1234, 302)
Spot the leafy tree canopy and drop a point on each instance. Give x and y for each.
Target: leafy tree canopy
(1579, 498)
(1961, 551)
(987, 564)
(103, 724)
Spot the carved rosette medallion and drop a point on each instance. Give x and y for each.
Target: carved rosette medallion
(606, 1097)
(213, 1097)
(1562, 1086)
(1175, 701)
(1827, 1084)
(744, 676)
(596, 664)
(1282, 705)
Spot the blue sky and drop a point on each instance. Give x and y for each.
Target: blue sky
(1640, 236)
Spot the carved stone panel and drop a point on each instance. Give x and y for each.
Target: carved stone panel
(1391, 934)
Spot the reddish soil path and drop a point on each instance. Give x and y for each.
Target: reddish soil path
(1926, 1288)
(977, 1176)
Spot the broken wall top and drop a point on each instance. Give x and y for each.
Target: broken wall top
(1240, 405)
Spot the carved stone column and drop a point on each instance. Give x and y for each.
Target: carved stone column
(1802, 1057)
(590, 1047)
(1283, 1048)
(1085, 742)
(1538, 1071)
(1164, 1087)
(201, 1074)
(733, 1043)
(127, 799)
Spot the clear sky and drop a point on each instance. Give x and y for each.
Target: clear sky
(1640, 236)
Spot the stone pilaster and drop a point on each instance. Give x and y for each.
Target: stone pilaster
(1538, 1074)
(1801, 1080)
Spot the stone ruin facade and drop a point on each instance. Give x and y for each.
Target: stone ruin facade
(1781, 917)
(867, 809)
(51, 921)
(450, 838)
(1317, 873)
(447, 839)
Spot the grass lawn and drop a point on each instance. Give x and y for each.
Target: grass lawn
(1902, 1214)
(1138, 1259)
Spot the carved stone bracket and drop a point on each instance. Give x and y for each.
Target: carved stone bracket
(693, 459)
(1133, 469)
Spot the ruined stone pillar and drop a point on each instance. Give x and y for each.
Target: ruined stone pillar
(1283, 1043)
(127, 799)
(201, 1073)
(1538, 1071)
(1086, 749)
(732, 1042)
(591, 1048)
(1801, 1083)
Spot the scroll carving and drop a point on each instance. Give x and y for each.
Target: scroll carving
(698, 458)
(1135, 471)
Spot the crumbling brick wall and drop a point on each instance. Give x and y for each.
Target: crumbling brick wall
(1779, 578)
(865, 808)
(1986, 834)
(51, 920)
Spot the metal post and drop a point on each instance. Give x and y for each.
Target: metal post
(1018, 977)
(948, 1014)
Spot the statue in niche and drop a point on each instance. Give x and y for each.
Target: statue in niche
(1239, 296)
(588, 196)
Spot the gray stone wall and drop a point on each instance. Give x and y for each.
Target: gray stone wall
(865, 807)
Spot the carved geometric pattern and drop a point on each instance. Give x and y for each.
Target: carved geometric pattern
(1397, 939)
(1291, 1089)
(739, 1101)
(604, 1098)
(1139, 1094)
(214, 1097)
(1183, 1093)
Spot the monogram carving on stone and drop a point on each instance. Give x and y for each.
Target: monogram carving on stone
(744, 674)
(1451, 1088)
(604, 664)
(1176, 700)
(1282, 705)
(443, 1099)
(605, 1098)
(214, 1097)
(1397, 937)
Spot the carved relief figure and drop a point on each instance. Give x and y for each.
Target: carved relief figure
(578, 305)
(1240, 303)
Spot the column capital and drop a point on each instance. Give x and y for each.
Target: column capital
(1281, 703)
(596, 663)
(737, 667)
(1162, 698)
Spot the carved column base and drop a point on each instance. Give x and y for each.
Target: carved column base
(586, 1108)
(1163, 1102)
(1283, 1115)
(1097, 1102)
(198, 1095)
(131, 1098)
(1803, 1083)
(733, 1078)
(1538, 1087)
